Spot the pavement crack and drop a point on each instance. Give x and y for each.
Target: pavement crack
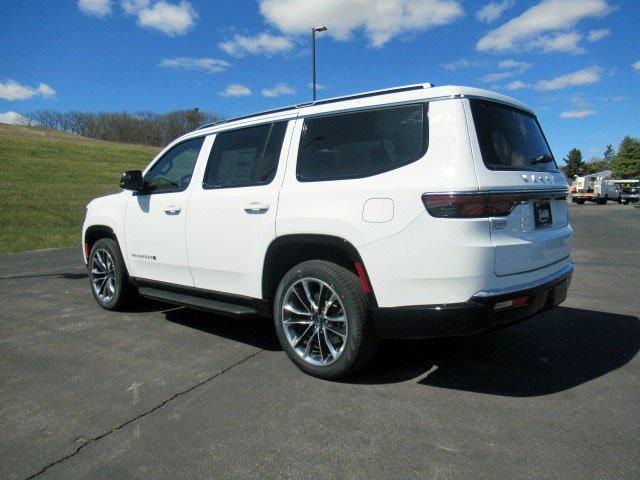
(144, 414)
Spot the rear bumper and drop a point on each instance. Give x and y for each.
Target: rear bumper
(476, 315)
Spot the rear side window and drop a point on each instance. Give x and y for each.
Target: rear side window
(510, 139)
(361, 144)
(245, 157)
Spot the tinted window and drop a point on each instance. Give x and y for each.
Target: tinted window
(248, 156)
(361, 144)
(510, 139)
(272, 153)
(172, 173)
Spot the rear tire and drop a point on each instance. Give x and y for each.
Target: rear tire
(108, 276)
(580, 202)
(310, 299)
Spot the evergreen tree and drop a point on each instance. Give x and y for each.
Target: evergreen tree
(627, 163)
(574, 164)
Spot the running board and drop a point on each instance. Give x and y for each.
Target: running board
(217, 306)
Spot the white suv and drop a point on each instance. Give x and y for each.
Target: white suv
(411, 212)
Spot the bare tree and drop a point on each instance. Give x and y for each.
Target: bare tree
(146, 128)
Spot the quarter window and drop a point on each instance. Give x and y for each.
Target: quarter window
(361, 144)
(172, 173)
(245, 157)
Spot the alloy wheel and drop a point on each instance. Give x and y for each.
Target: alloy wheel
(314, 321)
(103, 275)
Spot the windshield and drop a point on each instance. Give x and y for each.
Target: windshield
(510, 139)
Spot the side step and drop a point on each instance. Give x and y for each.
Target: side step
(223, 308)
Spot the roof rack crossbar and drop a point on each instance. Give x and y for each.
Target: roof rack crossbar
(356, 96)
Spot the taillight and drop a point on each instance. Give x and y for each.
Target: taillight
(470, 205)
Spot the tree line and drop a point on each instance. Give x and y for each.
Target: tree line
(624, 163)
(147, 128)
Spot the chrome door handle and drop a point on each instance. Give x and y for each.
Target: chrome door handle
(256, 208)
(172, 210)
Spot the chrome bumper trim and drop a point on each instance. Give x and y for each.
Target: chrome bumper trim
(565, 271)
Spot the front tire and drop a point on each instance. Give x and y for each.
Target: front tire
(108, 276)
(322, 320)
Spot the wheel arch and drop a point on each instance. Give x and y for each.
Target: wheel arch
(94, 233)
(286, 251)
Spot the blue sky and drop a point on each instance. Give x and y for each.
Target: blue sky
(576, 62)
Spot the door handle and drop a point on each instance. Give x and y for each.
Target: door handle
(256, 208)
(172, 210)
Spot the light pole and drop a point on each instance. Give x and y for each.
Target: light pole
(321, 28)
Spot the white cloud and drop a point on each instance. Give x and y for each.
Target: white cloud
(636, 66)
(263, 43)
(597, 35)
(170, 18)
(46, 91)
(461, 63)
(235, 90)
(13, 118)
(521, 67)
(95, 8)
(134, 6)
(586, 76)
(577, 113)
(381, 20)
(559, 42)
(279, 89)
(518, 85)
(547, 16)
(493, 11)
(12, 90)
(209, 65)
(494, 77)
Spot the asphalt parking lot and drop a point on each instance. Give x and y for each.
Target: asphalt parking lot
(165, 392)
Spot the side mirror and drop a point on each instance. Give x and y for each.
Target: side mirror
(132, 180)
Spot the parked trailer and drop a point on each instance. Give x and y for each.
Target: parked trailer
(629, 191)
(596, 188)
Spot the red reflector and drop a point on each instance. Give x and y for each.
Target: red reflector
(86, 250)
(362, 275)
(516, 302)
(519, 301)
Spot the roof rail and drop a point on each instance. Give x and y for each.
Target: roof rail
(373, 93)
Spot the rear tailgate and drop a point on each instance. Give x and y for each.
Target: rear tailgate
(512, 158)
(534, 235)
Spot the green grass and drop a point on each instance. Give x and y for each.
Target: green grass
(47, 178)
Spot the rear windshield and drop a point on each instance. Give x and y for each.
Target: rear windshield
(510, 139)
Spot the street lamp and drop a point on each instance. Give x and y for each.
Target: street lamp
(320, 28)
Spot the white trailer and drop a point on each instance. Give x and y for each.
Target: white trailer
(596, 188)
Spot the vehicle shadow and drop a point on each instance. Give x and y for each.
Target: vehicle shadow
(257, 332)
(550, 353)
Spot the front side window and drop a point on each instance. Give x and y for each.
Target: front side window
(245, 157)
(361, 144)
(510, 139)
(172, 173)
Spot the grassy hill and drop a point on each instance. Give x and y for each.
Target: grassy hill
(46, 179)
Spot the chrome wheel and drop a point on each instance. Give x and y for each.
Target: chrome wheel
(314, 321)
(103, 275)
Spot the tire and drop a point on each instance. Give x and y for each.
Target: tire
(116, 291)
(580, 202)
(353, 339)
